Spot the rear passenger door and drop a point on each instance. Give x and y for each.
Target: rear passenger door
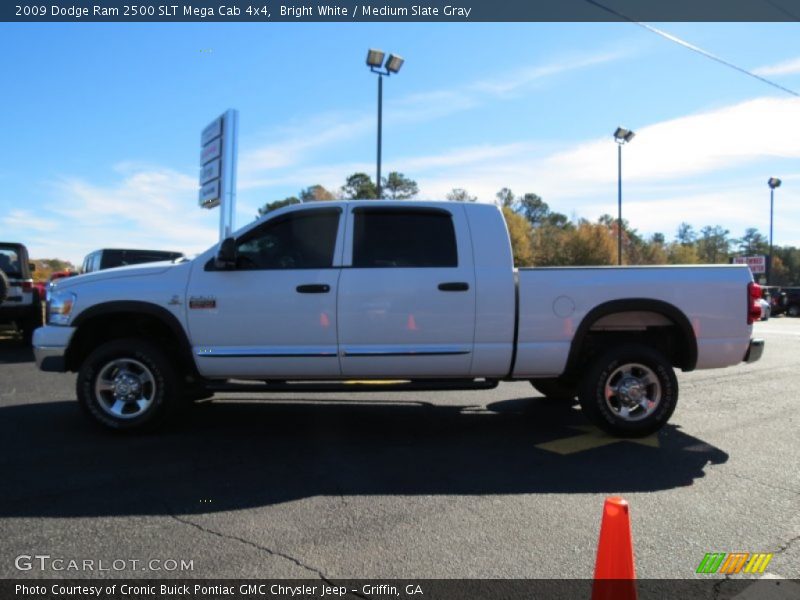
(406, 305)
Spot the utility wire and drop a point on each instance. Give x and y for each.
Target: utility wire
(693, 48)
(777, 6)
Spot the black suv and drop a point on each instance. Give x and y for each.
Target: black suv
(108, 258)
(20, 303)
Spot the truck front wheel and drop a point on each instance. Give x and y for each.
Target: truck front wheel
(630, 391)
(128, 384)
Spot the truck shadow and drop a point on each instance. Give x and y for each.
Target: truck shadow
(245, 454)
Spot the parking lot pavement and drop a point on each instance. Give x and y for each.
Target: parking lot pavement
(449, 484)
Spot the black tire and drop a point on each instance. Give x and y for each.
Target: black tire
(122, 361)
(556, 388)
(649, 373)
(793, 310)
(4, 285)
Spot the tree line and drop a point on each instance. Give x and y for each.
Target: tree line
(543, 237)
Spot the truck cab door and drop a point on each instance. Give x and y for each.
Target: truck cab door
(273, 314)
(407, 293)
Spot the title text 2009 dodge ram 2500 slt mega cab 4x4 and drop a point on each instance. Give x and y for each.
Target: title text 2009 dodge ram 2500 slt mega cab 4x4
(423, 292)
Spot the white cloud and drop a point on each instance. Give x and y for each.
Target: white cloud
(685, 169)
(294, 145)
(147, 208)
(18, 218)
(787, 67)
(696, 144)
(520, 78)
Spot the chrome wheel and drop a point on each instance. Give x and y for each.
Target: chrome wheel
(125, 388)
(633, 392)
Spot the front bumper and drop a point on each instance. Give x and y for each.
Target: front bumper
(754, 351)
(50, 345)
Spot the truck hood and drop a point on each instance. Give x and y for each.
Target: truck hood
(141, 270)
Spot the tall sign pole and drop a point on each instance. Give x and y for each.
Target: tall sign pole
(218, 154)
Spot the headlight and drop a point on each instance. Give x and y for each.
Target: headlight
(59, 308)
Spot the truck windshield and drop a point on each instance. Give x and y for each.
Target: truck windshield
(9, 262)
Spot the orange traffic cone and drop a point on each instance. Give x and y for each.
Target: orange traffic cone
(614, 571)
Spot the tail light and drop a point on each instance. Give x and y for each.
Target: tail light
(753, 308)
(27, 286)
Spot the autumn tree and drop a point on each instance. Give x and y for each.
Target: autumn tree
(752, 242)
(713, 244)
(682, 254)
(397, 186)
(533, 208)
(47, 266)
(316, 193)
(461, 195)
(270, 206)
(590, 244)
(686, 235)
(519, 230)
(505, 198)
(359, 186)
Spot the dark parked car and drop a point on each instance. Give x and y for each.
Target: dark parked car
(776, 298)
(792, 302)
(108, 258)
(20, 300)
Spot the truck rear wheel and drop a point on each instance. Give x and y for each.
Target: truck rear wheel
(128, 384)
(630, 391)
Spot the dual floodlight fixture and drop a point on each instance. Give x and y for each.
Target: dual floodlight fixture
(622, 135)
(774, 182)
(375, 62)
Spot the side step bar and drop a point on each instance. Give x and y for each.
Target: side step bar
(416, 385)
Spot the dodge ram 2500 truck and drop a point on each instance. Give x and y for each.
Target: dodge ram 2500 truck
(422, 292)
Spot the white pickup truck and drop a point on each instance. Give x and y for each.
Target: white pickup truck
(313, 295)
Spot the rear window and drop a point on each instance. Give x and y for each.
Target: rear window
(416, 237)
(10, 263)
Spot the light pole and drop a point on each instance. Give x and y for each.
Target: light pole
(621, 136)
(772, 182)
(392, 65)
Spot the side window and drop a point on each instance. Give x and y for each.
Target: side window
(90, 263)
(299, 240)
(415, 237)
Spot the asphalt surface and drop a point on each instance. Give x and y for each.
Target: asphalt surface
(422, 485)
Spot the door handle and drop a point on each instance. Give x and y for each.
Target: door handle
(454, 286)
(313, 288)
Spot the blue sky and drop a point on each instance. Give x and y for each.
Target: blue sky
(102, 122)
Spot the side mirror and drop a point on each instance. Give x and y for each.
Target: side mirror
(32, 267)
(226, 254)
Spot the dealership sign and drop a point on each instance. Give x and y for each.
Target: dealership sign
(217, 181)
(757, 264)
